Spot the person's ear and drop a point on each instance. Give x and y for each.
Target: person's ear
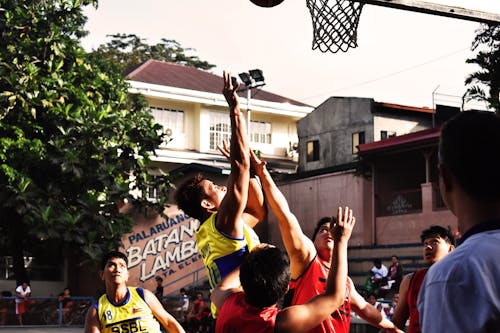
(207, 204)
(101, 275)
(451, 248)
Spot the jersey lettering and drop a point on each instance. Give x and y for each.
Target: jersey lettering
(130, 327)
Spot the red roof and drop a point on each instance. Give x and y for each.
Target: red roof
(407, 108)
(419, 138)
(180, 76)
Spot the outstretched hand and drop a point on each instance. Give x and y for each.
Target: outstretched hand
(256, 164)
(342, 230)
(224, 149)
(229, 92)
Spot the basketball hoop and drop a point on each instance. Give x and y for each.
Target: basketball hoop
(335, 24)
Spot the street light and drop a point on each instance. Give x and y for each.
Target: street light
(253, 79)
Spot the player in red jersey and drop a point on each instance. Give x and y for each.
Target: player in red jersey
(265, 275)
(310, 262)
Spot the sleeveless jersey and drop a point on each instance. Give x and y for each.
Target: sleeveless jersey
(312, 282)
(413, 290)
(133, 315)
(236, 315)
(222, 253)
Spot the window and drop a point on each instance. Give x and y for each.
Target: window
(312, 151)
(220, 129)
(168, 118)
(260, 132)
(387, 134)
(357, 139)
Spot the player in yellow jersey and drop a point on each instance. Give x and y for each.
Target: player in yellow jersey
(226, 213)
(126, 309)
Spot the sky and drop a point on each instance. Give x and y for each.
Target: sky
(402, 57)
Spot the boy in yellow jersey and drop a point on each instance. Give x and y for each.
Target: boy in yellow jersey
(126, 309)
(226, 213)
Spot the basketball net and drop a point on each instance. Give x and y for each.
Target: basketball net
(335, 24)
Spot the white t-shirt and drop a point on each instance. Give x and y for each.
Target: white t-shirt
(22, 292)
(380, 272)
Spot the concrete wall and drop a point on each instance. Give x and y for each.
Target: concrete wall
(407, 228)
(315, 197)
(399, 124)
(333, 123)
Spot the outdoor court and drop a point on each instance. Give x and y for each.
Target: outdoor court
(40, 329)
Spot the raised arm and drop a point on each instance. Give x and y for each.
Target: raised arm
(402, 312)
(369, 313)
(302, 318)
(256, 208)
(165, 318)
(229, 217)
(299, 247)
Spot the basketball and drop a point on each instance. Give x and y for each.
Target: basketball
(266, 3)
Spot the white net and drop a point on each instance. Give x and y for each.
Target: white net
(335, 24)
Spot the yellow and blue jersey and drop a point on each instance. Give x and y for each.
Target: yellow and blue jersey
(132, 315)
(220, 252)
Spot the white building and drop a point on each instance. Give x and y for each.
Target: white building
(188, 102)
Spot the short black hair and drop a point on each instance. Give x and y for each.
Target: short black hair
(189, 195)
(469, 147)
(264, 276)
(377, 261)
(111, 255)
(319, 224)
(438, 231)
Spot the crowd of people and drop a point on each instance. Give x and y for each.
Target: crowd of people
(260, 288)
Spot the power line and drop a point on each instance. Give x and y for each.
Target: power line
(388, 75)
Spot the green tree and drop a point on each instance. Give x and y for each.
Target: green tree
(128, 51)
(488, 59)
(73, 142)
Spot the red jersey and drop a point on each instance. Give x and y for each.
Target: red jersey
(413, 290)
(237, 316)
(312, 282)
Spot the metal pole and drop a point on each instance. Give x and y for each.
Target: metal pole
(434, 107)
(249, 95)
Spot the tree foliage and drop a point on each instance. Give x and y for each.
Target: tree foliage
(73, 142)
(484, 84)
(128, 51)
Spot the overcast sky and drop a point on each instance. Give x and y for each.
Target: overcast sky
(402, 57)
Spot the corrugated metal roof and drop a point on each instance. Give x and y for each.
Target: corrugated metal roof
(180, 76)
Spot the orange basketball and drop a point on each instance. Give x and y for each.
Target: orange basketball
(266, 3)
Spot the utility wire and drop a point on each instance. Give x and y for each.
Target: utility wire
(388, 75)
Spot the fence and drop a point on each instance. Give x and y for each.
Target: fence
(45, 311)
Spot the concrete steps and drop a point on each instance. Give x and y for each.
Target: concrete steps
(361, 258)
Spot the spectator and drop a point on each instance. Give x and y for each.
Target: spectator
(198, 316)
(183, 305)
(469, 277)
(4, 305)
(395, 275)
(66, 303)
(23, 292)
(159, 288)
(379, 273)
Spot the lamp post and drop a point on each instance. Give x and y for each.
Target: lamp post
(252, 79)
